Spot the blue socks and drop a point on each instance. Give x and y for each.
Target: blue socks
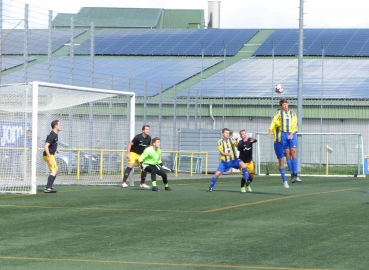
(295, 165)
(245, 174)
(283, 174)
(289, 164)
(213, 181)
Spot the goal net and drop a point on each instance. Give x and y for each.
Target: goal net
(96, 125)
(338, 154)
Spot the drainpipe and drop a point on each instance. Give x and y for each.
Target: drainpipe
(211, 114)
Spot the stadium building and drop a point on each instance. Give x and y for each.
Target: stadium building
(189, 79)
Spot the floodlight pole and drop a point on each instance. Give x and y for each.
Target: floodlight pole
(1, 38)
(300, 76)
(49, 46)
(272, 114)
(202, 68)
(321, 106)
(25, 44)
(321, 91)
(300, 65)
(224, 74)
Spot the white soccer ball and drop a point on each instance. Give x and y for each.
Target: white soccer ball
(279, 88)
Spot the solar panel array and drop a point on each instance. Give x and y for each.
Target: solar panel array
(37, 41)
(8, 63)
(253, 78)
(336, 42)
(128, 74)
(173, 42)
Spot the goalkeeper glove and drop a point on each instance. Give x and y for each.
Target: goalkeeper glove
(161, 166)
(165, 168)
(143, 166)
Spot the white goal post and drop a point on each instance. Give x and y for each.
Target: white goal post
(322, 154)
(96, 126)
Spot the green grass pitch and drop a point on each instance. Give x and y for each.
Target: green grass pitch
(321, 223)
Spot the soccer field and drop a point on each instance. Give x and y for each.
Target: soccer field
(321, 223)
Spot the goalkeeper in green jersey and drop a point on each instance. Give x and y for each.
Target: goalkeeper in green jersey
(151, 162)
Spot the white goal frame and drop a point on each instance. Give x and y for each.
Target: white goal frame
(35, 109)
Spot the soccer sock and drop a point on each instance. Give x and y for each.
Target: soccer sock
(166, 185)
(53, 181)
(289, 164)
(213, 181)
(249, 181)
(127, 172)
(283, 174)
(153, 183)
(143, 177)
(245, 173)
(165, 180)
(50, 181)
(295, 165)
(243, 182)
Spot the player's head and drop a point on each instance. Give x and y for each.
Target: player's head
(156, 142)
(146, 130)
(56, 125)
(226, 132)
(284, 104)
(243, 134)
(29, 133)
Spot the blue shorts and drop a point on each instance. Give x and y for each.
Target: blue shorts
(225, 166)
(278, 149)
(287, 144)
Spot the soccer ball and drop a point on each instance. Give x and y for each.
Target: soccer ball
(279, 88)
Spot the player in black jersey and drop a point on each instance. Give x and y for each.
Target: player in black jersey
(134, 150)
(245, 148)
(50, 148)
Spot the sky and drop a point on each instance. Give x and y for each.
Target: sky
(238, 13)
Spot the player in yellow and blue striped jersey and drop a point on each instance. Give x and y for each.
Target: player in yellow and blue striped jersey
(228, 157)
(276, 130)
(286, 120)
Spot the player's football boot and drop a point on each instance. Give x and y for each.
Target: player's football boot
(155, 188)
(124, 184)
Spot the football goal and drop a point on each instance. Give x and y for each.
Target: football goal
(96, 125)
(330, 154)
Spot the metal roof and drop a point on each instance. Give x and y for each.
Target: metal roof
(182, 19)
(132, 18)
(111, 17)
